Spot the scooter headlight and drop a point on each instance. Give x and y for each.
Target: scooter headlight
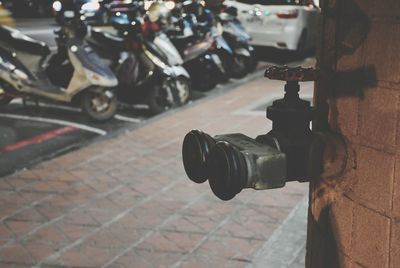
(57, 6)
(91, 6)
(170, 5)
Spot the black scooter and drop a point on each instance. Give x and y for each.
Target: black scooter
(143, 72)
(199, 54)
(238, 39)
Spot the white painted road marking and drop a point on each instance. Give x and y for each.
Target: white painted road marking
(127, 119)
(74, 109)
(55, 121)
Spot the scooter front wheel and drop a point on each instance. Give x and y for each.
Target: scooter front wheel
(163, 96)
(240, 69)
(183, 87)
(99, 104)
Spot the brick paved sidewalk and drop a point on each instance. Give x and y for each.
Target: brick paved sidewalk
(126, 202)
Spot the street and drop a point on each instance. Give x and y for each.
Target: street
(32, 132)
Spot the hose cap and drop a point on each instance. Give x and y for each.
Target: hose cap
(195, 150)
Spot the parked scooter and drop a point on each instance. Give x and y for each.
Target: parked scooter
(143, 71)
(238, 39)
(198, 52)
(204, 21)
(73, 75)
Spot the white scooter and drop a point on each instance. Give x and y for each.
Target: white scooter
(74, 75)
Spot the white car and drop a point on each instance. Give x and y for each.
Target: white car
(284, 24)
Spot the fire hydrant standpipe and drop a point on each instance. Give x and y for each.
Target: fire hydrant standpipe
(291, 117)
(289, 152)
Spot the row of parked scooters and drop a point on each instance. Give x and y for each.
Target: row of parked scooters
(155, 57)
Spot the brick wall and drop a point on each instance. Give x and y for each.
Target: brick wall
(354, 219)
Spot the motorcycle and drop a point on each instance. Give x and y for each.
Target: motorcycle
(199, 55)
(72, 75)
(234, 54)
(143, 71)
(237, 38)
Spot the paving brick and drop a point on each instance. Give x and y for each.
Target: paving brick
(29, 214)
(374, 186)
(50, 235)
(230, 247)
(379, 103)
(73, 232)
(80, 217)
(142, 258)
(205, 260)
(39, 249)
(20, 228)
(74, 258)
(166, 241)
(190, 224)
(371, 238)
(16, 254)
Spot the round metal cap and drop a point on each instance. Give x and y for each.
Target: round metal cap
(227, 171)
(195, 150)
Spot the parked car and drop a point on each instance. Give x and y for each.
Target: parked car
(283, 24)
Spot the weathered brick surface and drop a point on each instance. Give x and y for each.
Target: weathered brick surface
(395, 245)
(354, 217)
(126, 202)
(371, 238)
(341, 216)
(378, 121)
(374, 184)
(383, 40)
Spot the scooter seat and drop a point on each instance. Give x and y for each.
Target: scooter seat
(182, 42)
(225, 17)
(108, 40)
(23, 42)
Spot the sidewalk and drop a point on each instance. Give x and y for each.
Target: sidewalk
(126, 201)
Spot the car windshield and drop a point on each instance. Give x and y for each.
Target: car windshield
(274, 2)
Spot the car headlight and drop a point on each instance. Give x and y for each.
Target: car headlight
(91, 6)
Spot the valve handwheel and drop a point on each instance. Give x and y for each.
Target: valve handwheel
(286, 73)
